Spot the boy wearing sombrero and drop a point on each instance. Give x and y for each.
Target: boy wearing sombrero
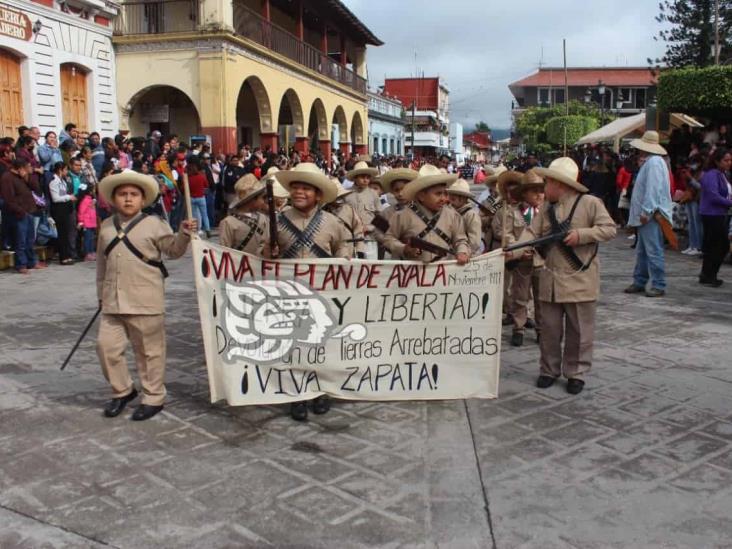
(428, 218)
(306, 230)
(130, 289)
(364, 199)
(247, 228)
(492, 201)
(524, 277)
(346, 214)
(569, 283)
(393, 183)
(459, 199)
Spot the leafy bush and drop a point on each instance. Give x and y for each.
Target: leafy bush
(576, 125)
(531, 123)
(704, 92)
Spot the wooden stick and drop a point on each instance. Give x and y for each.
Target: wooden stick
(189, 208)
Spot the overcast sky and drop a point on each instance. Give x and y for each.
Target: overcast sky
(481, 46)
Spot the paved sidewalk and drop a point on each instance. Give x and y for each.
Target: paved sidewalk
(642, 458)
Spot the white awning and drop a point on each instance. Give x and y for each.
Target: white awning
(617, 129)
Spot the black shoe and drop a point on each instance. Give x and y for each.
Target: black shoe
(655, 292)
(530, 324)
(508, 320)
(517, 339)
(575, 386)
(321, 405)
(145, 411)
(299, 411)
(545, 381)
(633, 289)
(712, 283)
(114, 407)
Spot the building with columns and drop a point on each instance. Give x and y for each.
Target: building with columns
(57, 65)
(268, 73)
(386, 125)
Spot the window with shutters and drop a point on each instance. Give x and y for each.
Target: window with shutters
(74, 96)
(11, 94)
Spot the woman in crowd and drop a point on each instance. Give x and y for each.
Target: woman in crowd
(86, 220)
(62, 212)
(714, 208)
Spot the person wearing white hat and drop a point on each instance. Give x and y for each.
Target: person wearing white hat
(460, 195)
(651, 198)
(247, 229)
(348, 217)
(130, 288)
(492, 202)
(393, 182)
(569, 283)
(278, 191)
(427, 218)
(364, 199)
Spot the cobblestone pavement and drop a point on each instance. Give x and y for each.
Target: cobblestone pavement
(642, 458)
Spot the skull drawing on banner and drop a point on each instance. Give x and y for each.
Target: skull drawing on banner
(264, 319)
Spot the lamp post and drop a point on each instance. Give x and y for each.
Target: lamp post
(601, 98)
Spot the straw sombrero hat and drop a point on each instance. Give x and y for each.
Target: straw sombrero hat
(565, 171)
(244, 184)
(460, 188)
(649, 143)
(146, 183)
(277, 189)
(361, 168)
(495, 174)
(428, 176)
(310, 174)
(532, 179)
(398, 174)
(249, 193)
(507, 180)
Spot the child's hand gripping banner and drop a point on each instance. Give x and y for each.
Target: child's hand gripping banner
(278, 331)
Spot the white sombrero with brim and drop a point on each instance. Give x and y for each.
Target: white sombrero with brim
(506, 179)
(564, 170)
(146, 183)
(250, 193)
(428, 176)
(310, 174)
(277, 189)
(649, 143)
(362, 168)
(495, 173)
(398, 174)
(342, 191)
(460, 188)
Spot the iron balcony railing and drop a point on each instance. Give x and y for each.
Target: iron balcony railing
(166, 16)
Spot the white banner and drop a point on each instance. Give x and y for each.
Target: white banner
(280, 331)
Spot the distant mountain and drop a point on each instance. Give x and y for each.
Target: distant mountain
(500, 133)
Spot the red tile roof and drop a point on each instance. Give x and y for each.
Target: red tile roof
(626, 76)
(425, 90)
(482, 140)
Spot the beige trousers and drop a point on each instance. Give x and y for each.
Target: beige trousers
(146, 333)
(525, 282)
(575, 324)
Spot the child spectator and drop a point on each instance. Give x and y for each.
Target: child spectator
(86, 220)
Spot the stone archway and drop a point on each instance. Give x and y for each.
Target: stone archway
(357, 142)
(163, 108)
(340, 120)
(253, 112)
(290, 119)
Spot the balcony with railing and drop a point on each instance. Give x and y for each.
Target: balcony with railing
(140, 17)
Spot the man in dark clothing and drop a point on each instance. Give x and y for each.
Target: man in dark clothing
(152, 146)
(232, 174)
(15, 186)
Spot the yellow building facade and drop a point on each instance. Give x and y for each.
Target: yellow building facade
(266, 73)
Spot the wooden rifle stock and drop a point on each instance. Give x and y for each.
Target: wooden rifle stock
(425, 246)
(483, 208)
(538, 242)
(272, 220)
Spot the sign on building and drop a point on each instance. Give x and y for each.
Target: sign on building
(15, 24)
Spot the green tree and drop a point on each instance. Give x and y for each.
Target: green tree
(531, 123)
(690, 34)
(482, 127)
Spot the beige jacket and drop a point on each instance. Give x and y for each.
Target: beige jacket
(471, 219)
(559, 281)
(351, 221)
(406, 224)
(125, 284)
(330, 235)
(366, 203)
(233, 230)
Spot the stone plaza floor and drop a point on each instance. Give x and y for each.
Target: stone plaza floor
(641, 459)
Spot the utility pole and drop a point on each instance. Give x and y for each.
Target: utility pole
(716, 32)
(414, 109)
(566, 93)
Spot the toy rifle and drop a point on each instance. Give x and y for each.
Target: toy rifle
(539, 242)
(425, 246)
(490, 209)
(272, 220)
(380, 223)
(81, 337)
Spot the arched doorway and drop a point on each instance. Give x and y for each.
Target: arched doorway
(74, 96)
(253, 112)
(317, 125)
(290, 120)
(11, 93)
(357, 143)
(166, 109)
(340, 123)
